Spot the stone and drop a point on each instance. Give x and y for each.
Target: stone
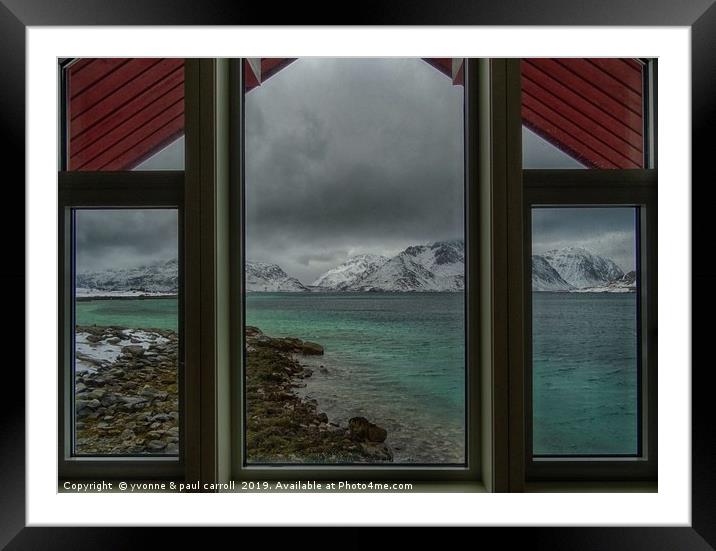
(363, 430)
(156, 445)
(133, 350)
(312, 349)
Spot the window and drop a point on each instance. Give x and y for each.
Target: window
(585, 325)
(437, 269)
(354, 266)
(126, 344)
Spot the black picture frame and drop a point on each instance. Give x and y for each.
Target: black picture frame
(700, 15)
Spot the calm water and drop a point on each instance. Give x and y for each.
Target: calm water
(584, 373)
(149, 313)
(394, 358)
(398, 359)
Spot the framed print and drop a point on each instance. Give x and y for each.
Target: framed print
(361, 273)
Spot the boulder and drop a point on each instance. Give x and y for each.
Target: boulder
(252, 331)
(133, 350)
(312, 349)
(363, 430)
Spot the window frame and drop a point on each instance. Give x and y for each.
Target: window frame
(111, 190)
(594, 188)
(475, 437)
(616, 188)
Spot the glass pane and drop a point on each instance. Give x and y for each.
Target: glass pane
(590, 111)
(126, 342)
(585, 361)
(122, 113)
(355, 274)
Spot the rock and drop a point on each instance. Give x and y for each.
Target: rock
(172, 449)
(133, 350)
(252, 331)
(114, 340)
(377, 452)
(156, 445)
(363, 430)
(93, 338)
(322, 417)
(312, 349)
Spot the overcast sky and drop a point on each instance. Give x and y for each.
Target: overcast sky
(350, 156)
(608, 232)
(124, 238)
(347, 156)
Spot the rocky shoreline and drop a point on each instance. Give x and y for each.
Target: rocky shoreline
(283, 428)
(126, 399)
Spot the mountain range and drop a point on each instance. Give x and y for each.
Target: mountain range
(575, 269)
(155, 279)
(436, 267)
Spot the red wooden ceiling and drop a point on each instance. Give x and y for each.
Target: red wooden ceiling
(122, 111)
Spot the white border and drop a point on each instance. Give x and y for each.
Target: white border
(670, 506)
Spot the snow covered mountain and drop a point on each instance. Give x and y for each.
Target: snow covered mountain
(581, 268)
(625, 284)
(261, 276)
(545, 277)
(438, 266)
(350, 272)
(156, 279)
(578, 270)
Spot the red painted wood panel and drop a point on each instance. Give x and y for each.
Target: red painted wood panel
(84, 76)
(109, 156)
(145, 88)
(584, 95)
(556, 120)
(130, 125)
(168, 132)
(92, 129)
(567, 143)
(608, 83)
(112, 100)
(114, 82)
(589, 108)
(123, 111)
(595, 131)
(628, 72)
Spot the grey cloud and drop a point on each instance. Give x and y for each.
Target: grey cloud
(347, 156)
(117, 238)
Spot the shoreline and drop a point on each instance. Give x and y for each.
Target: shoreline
(126, 392)
(282, 427)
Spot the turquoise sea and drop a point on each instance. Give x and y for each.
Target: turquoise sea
(584, 373)
(398, 359)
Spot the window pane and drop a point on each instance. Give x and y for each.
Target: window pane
(585, 362)
(355, 274)
(583, 113)
(125, 114)
(126, 332)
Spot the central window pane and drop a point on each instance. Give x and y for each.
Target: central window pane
(354, 274)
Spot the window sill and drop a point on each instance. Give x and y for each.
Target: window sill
(592, 487)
